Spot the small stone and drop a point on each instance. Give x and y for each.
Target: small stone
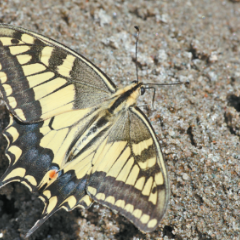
(185, 176)
(161, 56)
(213, 57)
(102, 17)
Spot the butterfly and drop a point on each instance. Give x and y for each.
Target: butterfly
(75, 137)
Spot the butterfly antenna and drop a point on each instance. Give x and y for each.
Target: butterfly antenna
(152, 86)
(136, 51)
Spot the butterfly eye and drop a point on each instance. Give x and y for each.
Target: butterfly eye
(142, 90)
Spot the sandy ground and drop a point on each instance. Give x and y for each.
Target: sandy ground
(198, 125)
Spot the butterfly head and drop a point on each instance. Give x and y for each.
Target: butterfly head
(141, 86)
(126, 97)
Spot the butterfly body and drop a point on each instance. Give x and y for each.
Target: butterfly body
(73, 136)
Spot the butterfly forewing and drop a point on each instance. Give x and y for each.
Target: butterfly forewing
(129, 174)
(73, 136)
(41, 78)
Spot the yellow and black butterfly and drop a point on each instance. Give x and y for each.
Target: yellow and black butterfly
(74, 136)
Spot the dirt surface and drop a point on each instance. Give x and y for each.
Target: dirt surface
(198, 125)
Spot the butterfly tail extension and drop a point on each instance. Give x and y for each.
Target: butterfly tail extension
(38, 223)
(85, 202)
(67, 192)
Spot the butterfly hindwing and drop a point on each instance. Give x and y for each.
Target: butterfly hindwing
(67, 192)
(28, 161)
(35, 149)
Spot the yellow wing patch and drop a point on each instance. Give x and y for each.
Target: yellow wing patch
(74, 137)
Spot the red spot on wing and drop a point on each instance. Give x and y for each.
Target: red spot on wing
(53, 174)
